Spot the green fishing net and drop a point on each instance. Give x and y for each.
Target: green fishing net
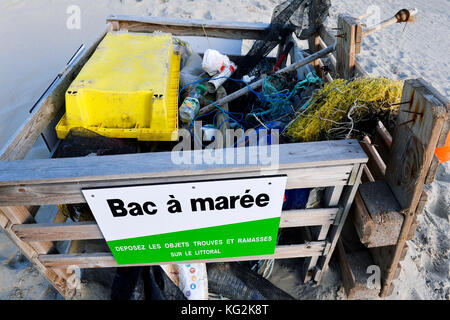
(335, 110)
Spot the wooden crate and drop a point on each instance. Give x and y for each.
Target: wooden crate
(27, 184)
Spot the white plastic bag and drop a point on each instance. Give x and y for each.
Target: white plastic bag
(214, 62)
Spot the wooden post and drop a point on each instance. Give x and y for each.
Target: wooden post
(348, 44)
(421, 121)
(314, 46)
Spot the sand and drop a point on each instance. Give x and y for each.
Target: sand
(36, 44)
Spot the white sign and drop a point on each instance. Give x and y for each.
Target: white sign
(137, 211)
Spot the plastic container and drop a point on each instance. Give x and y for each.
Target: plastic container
(127, 89)
(190, 106)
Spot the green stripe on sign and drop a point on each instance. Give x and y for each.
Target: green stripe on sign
(231, 240)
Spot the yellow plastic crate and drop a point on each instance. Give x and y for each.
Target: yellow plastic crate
(127, 89)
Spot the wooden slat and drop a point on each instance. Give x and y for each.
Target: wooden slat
(432, 170)
(3, 220)
(191, 27)
(421, 119)
(383, 210)
(308, 217)
(412, 230)
(361, 219)
(70, 192)
(25, 137)
(62, 179)
(106, 260)
(420, 122)
(89, 230)
(330, 199)
(31, 253)
(58, 231)
(161, 164)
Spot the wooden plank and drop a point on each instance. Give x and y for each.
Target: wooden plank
(106, 260)
(420, 122)
(361, 219)
(375, 164)
(307, 217)
(421, 119)
(70, 192)
(422, 202)
(89, 230)
(383, 210)
(166, 164)
(412, 230)
(25, 137)
(3, 220)
(61, 183)
(314, 46)
(191, 27)
(58, 231)
(432, 170)
(31, 254)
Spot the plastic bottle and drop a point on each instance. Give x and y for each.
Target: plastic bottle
(190, 106)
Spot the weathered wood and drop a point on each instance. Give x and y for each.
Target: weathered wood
(88, 230)
(361, 219)
(106, 260)
(383, 209)
(314, 46)
(335, 231)
(422, 202)
(191, 27)
(3, 220)
(56, 184)
(69, 192)
(307, 217)
(25, 137)
(421, 120)
(348, 44)
(412, 230)
(432, 170)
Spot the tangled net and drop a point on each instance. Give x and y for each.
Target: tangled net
(335, 110)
